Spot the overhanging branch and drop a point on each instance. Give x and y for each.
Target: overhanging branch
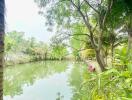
(91, 6)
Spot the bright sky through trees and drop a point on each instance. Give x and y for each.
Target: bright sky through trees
(22, 15)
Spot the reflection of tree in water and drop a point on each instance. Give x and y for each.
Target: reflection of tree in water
(16, 77)
(75, 80)
(59, 96)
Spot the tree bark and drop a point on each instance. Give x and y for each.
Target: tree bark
(112, 53)
(106, 55)
(2, 31)
(129, 51)
(100, 60)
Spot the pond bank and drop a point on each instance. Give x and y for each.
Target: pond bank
(28, 59)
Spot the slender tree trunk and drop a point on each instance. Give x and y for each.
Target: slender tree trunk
(45, 56)
(2, 27)
(106, 55)
(112, 53)
(129, 51)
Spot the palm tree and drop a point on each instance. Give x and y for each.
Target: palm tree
(2, 31)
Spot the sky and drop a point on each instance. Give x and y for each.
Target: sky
(22, 15)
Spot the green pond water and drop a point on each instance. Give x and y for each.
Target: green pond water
(47, 80)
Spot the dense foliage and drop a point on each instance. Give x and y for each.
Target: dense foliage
(21, 50)
(99, 30)
(98, 23)
(104, 26)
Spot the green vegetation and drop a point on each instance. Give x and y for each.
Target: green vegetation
(21, 50)
(98, 25)
(104, 26)
(98, 31)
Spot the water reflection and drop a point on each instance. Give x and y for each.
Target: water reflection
(43, 81)
(76, 78)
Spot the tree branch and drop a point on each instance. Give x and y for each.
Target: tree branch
(70, 46)
(69, 35)
(110, 4)
(95, 27)
(78, 34)
(74, 4)
(76, 50)
(91, 6)
(86, 21)
(80, 40)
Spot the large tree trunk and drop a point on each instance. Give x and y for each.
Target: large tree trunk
(100, 60)
(100, 54)
(2, 27)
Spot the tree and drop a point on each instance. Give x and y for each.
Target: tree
(45, 48)
(14, 41)
(77, 39)
(58, 48)
(129, 25)
(2, 31)
(122, 12)
(92, 14)
(14, 44)
(31, 44)
(40, 51)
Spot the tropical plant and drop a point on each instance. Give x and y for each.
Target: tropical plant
(109, 85)
(121, 56)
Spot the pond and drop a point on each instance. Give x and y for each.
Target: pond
(46, 80)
